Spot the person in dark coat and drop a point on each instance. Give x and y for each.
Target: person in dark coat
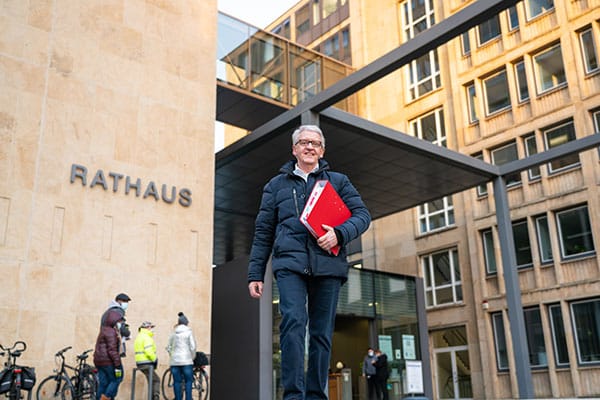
(107, 357)
(119, 306)
(381, 374)
(308, 275)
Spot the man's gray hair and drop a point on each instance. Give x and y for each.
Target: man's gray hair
(311, 128)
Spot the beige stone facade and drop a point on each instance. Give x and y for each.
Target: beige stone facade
(124, 89)
(554, 280)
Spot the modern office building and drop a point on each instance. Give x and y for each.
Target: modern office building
(523, 82)
(106, 151)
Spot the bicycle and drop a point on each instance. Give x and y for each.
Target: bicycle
(81, 385)
(200, 387)
(15, 378)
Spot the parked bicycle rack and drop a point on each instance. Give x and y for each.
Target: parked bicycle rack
(150, 367)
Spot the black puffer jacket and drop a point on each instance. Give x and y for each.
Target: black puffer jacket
(279, 230)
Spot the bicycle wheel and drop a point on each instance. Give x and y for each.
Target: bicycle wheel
(87, 389)
(166, 385)
(54, 388)
(201, 384)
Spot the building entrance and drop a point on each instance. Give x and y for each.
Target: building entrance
(452, 366)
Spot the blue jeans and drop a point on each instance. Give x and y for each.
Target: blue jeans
(108, 383)
(305, 298)
(180, 374)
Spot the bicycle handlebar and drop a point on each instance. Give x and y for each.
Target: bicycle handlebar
(15, 347)
(61, 352)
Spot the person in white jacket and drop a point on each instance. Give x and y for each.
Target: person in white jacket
(182, 350)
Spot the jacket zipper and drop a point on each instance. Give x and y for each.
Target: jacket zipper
(296, 202)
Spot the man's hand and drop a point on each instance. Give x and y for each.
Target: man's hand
(256, 288)
(328, 240)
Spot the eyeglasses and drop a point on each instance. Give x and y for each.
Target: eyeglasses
(314, 143)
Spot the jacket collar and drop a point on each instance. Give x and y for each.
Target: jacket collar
(288, 167)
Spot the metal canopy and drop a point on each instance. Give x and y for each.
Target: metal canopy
(391, 170)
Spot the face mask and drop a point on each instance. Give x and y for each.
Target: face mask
(119, 325)
(371, 354)
(124, 306)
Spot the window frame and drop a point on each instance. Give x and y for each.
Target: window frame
(481, 43)
(489, 254)
(560, 234)
(584, 51)
(550, 165)
(514, 226)
(514, 179)
(427, 267)
(521, 81)
(498, 323)
(576, 338)
(482, 190)
(471, 94)
(486, 92)
(510, 12)
(531, 175)
(530, 17)
(540, 85)
(556, 336)
(541, 241)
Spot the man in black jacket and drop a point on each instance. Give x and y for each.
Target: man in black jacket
(381, 375)
(308, 275)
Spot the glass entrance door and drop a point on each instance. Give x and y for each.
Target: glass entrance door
(452, 365)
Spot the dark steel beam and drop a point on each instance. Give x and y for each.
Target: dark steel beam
(516, 318)
(573, 147)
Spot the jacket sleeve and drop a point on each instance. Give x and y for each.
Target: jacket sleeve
(192, 344)
(112, 346)
(360, 219)
(150, 349)
(264, 234)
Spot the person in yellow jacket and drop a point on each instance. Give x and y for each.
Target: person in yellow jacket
(145, 355)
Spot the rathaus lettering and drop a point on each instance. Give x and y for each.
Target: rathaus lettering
(168, 195)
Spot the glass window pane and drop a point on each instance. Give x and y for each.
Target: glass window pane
(504, 155)
(481, 189)
(521, 81)
(513, 18)
(586, 319)
(489, 29)
(466, 43)
(441, 269)
(496, 93)
(500, 342)
(575, 232)
(537, 7)
(522, 244)
(543, 236)
(531, 149)
(488, 251)
(559, 339)
(588, 48)
(558, 136)
(550, 69)
(471, 103)
(535, 338)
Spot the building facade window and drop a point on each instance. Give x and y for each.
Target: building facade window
(574, 232)
(588, 50)
(471, 96)
(497, 97)
(503, 155)
(559, 135)
(465, 43)
(436, 214)
(535, 337)
(521, 78)
(441, 274)
(500, 342)
(439, 213)
(489, 253)
(549, 69)
(513, 18)
(530, 142)
(488, 30)
(537, 7)
(337, 46)
(423, 74)
(559, 340)
(522, 244)
(481, 189)
(302, 20)
(543, 239)
(283, 29)
(586, 322)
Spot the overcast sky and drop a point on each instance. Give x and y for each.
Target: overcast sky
(256, 12)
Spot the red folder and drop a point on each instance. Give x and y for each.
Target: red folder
(324, 206)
